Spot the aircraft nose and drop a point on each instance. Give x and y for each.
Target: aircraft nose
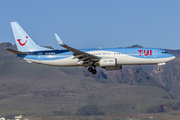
(173, 57)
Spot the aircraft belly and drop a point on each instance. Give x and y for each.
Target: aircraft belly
(58, 62)
(130, 60)
(161, 60)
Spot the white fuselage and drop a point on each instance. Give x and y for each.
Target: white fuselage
(123, 58)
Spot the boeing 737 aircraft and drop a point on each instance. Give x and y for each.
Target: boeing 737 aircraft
(109, 59)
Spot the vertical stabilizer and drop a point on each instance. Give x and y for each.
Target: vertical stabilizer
(23, 40)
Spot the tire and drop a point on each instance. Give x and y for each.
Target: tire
(158, 69)
(90, 69)
(94, 71)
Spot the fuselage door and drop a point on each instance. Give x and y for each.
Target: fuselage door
(154, 53)
(39, 56)
(102, 54)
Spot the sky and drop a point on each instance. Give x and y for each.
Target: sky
(94, 23)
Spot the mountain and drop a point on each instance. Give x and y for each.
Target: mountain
(32, 89)
(169, 75)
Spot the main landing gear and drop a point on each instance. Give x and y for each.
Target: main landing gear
(92, 70)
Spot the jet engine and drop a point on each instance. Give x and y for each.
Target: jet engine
(107, 62)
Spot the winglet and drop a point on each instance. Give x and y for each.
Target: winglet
(60, 42)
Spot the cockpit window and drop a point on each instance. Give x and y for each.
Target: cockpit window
(165, 52)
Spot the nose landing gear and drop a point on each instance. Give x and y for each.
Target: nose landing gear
(92, 70)
(158, 68)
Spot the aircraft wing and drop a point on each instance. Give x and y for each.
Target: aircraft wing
(82, 56)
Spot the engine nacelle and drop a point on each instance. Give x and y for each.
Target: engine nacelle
(80, 63)
(117, 67)
(107, 62)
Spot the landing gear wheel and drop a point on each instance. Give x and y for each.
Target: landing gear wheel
(158, 68)
(90, 69)
(94, 71)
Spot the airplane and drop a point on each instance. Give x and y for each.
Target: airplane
(109, 58)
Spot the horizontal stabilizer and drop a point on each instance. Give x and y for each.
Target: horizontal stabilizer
(16, 52)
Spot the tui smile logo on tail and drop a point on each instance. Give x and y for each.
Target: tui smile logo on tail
(22, 44)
